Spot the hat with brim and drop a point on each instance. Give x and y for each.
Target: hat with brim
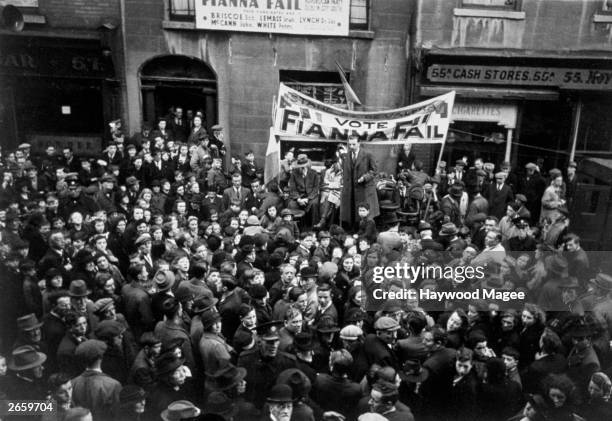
(556, 264)
(412, 371)
(280, 393)
(78, 288)
(180, 410)
(164, 280)
(269, 331)
(28, 322)
(225, 377)
(390, 218)
(167, 363)
(203, 303)
(25, 357)
(303, 342)
(602, 281)
(449, 229)
(218, 403)
(301, 161)
(327, 325)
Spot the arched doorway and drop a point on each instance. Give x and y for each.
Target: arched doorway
(178, 81)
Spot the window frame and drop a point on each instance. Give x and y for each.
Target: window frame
(518, 4)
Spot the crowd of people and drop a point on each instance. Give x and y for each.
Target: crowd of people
(165, 280)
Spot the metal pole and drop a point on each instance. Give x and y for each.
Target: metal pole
(575, 127)
(508, 145)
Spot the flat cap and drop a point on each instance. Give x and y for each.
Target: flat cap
(108, 329)
(131, 180)
(91, 349)
(142, 239)
(386, 323)
(531, 166)
(351, 332)
(216, 127)
(102, 305)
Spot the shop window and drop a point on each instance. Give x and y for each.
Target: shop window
(323, 86)
(595, 130)
(184, 10)
(491, 4)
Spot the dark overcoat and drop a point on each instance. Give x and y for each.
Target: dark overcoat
(354, 193)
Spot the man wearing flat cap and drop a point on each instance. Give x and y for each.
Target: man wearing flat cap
(532, 185)
(93, 388)
(217, 145)
(379, 347)
(264, 363)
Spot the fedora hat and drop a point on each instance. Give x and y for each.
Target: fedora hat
(280, 393)
(164, 280)
(78, 288)
(302, 342)
(327, 325)
(209, 317)
(28, 322)
(219, 404)
(602, 281)
(390, 218)
(296, 379)
(449, 229)
(225, 377)
(556, 264)
(301, 161)
(180, 410)
(412, 371)
(25, 357)
(203, 303)
(167, 363)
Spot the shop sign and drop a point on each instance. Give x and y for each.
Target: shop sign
(565, 78)
(38, 60)
(483, 111)
(303, 17)
(19, 3)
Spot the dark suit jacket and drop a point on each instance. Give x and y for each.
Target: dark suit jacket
(180, 131)
(498, 200)
(230, 193)
(304, 187)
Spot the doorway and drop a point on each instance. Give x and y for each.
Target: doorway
(174, 81)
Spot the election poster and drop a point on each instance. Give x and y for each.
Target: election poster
(307, 17)
(297, 116)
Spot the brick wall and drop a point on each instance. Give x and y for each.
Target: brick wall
(82, 14)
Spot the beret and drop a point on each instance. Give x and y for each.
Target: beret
(102, 304)
(90, 349)
(386, 323)
(108, 329)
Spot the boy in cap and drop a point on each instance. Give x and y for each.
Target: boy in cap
(92, 388)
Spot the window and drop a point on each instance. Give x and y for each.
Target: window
(606, 7)
(184, 10)
(595, 129)
(494, 4)
(323, 86)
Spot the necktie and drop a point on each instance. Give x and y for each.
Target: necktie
(354, 156)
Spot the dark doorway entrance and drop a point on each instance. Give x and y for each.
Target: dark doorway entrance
(174, 81)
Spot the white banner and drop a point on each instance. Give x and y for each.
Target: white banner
(301, 116)
(303, 17)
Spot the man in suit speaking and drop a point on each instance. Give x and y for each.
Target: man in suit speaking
(358, 186)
